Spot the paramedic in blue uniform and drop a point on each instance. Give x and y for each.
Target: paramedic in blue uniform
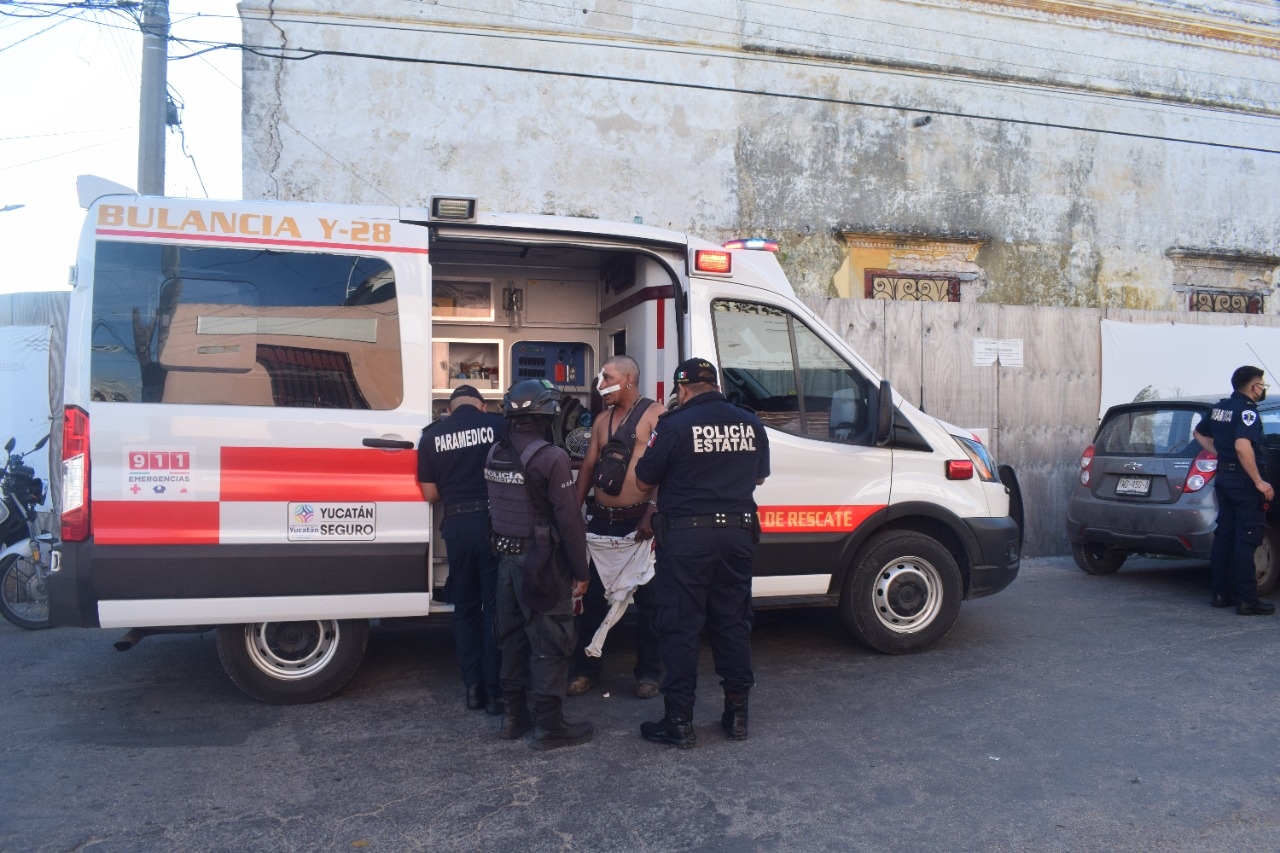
(1233, 430)
(706, 458)
(539, 531)
(451, 458)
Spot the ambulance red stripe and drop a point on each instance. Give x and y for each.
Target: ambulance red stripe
(815, 518)
(318, 474)
(155, 522)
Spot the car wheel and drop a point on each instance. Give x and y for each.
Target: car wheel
(1096, 559)
(903, 593)
(1266, 561)
(288, 663)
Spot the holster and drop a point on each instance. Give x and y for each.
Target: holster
(659, 523)
(541, 569)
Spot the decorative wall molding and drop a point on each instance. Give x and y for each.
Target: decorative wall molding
(1149, 20)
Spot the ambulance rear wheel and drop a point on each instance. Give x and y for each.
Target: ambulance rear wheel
(289, 663)
(903, 593)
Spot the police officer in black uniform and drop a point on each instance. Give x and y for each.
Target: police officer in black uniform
(1233, 430)
(707, 457)
(451, 458)
(541, 537)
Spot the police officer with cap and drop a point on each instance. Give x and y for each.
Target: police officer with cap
(451, 456)
(1233, 430)
(541, 538)
(707, 456)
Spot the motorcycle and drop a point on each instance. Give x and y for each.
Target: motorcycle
(25, 551)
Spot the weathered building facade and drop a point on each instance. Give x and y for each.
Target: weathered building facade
(1032, 152)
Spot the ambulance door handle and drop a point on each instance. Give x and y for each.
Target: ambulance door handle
(388, 443)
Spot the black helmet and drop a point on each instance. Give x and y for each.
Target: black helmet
(531, 397)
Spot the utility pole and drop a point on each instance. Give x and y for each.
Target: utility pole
(154, 103)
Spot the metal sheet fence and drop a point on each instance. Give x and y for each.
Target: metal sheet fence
(1040, 415)
(45, 309)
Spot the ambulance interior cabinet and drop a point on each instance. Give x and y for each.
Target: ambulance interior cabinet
(468, 362)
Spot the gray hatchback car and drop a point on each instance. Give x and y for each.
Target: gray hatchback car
(1145, 486)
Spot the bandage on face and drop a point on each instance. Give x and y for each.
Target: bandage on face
(606, 391)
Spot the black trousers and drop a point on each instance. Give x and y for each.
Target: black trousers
(472, 590)
(536, 645)
(1241, 520)
(704, 580)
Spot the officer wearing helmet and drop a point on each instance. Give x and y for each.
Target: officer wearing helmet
(540, 538)
(707, 457)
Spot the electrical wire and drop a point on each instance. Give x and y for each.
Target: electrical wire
(814, 36)
(1125, 101)
(303, 54)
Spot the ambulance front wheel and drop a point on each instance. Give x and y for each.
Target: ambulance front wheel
(903, 592)
(289, 663)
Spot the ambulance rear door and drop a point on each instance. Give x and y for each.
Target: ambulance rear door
(253, 378)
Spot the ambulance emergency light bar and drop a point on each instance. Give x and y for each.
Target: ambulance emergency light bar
(714, 261)
(756, 243)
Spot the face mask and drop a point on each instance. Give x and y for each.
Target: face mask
(1262, 396)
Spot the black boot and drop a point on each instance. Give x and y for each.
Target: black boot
(516, 720)
(734, 718)
(550, 729)
(675, 728)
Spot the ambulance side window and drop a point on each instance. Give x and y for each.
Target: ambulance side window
(247, 327)
(771, 362)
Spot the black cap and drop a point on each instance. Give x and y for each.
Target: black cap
(695, 370)
(464, 391)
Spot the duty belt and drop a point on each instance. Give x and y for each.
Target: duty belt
(464, 506)
(619, 513)
(714, 519)
(508, 544)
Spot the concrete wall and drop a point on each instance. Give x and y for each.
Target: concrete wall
(1079, 143)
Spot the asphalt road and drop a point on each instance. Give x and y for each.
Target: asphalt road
(1067, 713)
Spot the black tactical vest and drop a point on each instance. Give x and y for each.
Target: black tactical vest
(510, 506)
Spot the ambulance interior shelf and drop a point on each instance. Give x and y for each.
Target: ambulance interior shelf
(477, 363)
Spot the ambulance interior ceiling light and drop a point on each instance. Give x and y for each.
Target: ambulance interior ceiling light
(450, 209)
(759, 244)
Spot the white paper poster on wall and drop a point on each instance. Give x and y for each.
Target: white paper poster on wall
(24, 383)
(1179, 359)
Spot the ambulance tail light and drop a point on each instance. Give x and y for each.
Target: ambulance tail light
(75, 475)
(1086, 466)
(1201, 471)
(713, 261)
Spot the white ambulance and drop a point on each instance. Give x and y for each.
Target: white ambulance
(246, 382)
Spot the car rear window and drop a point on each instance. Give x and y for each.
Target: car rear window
(1270, 423)
(1149, 432)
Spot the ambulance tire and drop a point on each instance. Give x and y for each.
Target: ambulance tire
(291, 663)
(903, 592)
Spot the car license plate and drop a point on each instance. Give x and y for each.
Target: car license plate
(1133, 486)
